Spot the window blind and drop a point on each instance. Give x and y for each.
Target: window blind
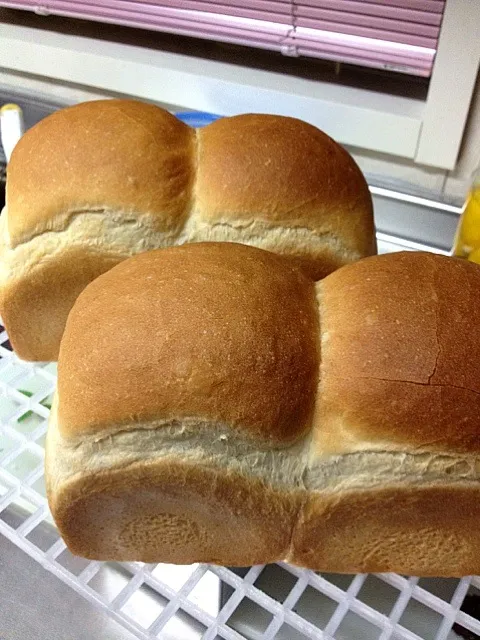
(400, 35)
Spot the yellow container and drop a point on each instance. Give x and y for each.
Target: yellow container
(467, 238)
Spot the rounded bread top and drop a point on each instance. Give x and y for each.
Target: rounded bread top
(284, 172)
(400, 355)
(215, 333)
(121, 156)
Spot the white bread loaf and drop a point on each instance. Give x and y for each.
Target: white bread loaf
(98, 182)
(216, 405)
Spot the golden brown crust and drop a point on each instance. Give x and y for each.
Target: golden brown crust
(186, 386)
(400, 355)
(287, 173)
(174, 512)
(418, 530)
(35, 308)
(223, 332)
(112, 155)
(267, 181)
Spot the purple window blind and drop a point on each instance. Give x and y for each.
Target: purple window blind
(394, 34)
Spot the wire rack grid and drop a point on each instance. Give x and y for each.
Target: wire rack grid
(201, 601)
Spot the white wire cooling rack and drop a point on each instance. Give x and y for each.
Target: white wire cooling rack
(200, 601)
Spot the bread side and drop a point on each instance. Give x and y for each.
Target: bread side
(41, 279)
(316, 253)
(184, 491)
(190, 401)
(195, 492)
(422, 529)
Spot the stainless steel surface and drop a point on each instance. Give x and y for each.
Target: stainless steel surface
(415, 219)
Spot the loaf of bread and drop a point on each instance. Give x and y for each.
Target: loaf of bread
(216, 405)
(98, 182)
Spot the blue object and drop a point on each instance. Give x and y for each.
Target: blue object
(196, 118)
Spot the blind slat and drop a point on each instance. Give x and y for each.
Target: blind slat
(399, 14)
(357, 45)
(370, 22)
(339, 20)
(368, 32)
(365, 60)
(433, 6)
(157, 14)
(363, 35)
(283, 6)
(268, 11)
